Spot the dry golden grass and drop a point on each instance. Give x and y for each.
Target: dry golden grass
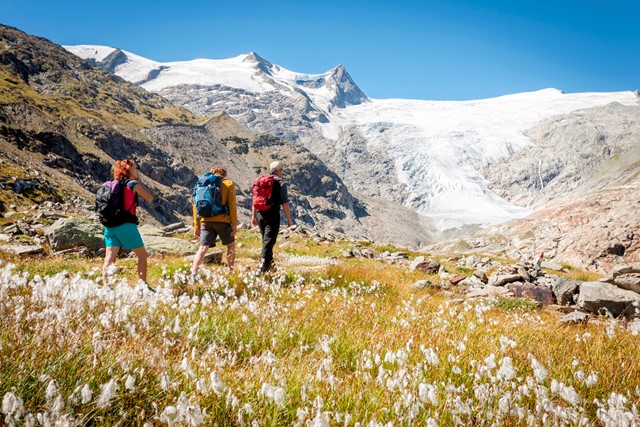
(351, 340)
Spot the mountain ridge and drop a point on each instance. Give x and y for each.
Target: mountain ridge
(439, 149)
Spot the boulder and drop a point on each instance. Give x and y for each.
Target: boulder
(551, 266)
(421, 284)
(630, 282)
(564, 290)
(67, 233)
(168, 245)
(150, 230)
(625, 277)
(471, 281)
(482, 275)
(426, 266)
(173, 227)
(21, 250)
(623, 269)
(541, 294)
(600, 297)
(487, 290)
(416, 262)
(456, 278)
(504, 279)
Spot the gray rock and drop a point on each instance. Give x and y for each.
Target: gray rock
(67, 233)
(482, 275)
(150, 230)
(630, 282)
(402, 255)
(487, 290)
(421, 284)
(600, 297)
(575, 317)
(623, 269)
(168, 245)
(367, 253)
(173, 227)
(551, 266)
(472, 281)
(23, 249)
(347, 253)
(417, 260)
(564, 290)
(504, 279)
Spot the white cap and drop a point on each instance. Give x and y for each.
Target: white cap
(275, 165)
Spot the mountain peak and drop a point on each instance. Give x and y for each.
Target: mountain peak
(254, 57)
(346, 90)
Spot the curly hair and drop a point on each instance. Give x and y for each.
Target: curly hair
(122, 169)
(219, 170)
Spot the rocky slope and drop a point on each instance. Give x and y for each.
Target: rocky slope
(595, 231)
(572, 154)
(63, 122)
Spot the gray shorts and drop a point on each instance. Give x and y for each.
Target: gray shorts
(209, 232)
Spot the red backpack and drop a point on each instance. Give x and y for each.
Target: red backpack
(262, 189)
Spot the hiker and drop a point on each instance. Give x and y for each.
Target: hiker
(269, 193)
(220, 221)
(127, 235)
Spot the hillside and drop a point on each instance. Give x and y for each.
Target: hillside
(66, 120)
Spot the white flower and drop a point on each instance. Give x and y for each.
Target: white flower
(11, 404)
(506, 371)
(217, 385)
(169, 415)
(567, 393)
(428, 393)
(592, 379)
(86, 394)
(274, 393)
(108, 392)
(539, 371)
(505, 343)
(130, 382)
(490, 361)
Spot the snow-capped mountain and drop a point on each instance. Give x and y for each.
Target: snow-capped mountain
(430, 156)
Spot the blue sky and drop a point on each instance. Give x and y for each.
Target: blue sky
(446, 50)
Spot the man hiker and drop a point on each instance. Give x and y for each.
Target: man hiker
(269, 193)
(222, 219)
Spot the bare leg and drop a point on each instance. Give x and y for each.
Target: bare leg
(109, 258)
(231, 255)
(197, 260)
(141, 252)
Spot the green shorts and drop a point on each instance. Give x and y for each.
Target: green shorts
(125, 236)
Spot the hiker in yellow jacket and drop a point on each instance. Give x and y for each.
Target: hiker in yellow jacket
(223, 225)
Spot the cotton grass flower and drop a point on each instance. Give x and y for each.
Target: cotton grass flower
(12, 405)
(539, 371)
(107, 394)
(273, 393)
(567, 393)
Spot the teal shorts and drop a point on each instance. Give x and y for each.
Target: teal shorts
(125, 236)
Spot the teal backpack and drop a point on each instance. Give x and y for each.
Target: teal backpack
(208, 197)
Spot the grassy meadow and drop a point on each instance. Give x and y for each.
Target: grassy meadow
(324, 341)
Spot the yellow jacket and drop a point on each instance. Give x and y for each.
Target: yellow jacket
(228, 195)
